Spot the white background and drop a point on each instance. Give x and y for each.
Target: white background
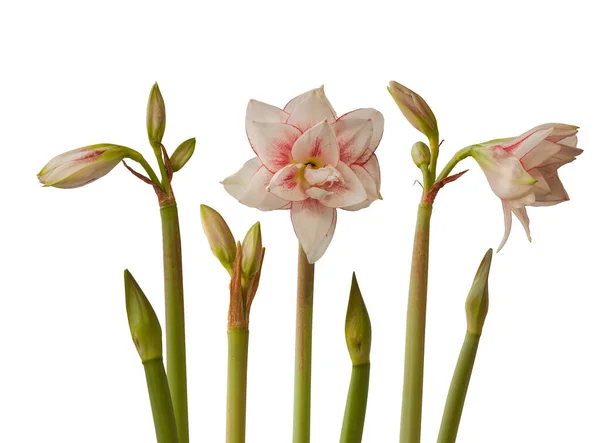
(77, 73)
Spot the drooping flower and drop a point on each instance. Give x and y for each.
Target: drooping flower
(81, 166)
(309, 161)
(523, 171)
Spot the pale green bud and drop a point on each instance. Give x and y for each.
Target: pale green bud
(415, 109)
(420, 154)
(219, 236)
(478, 298)
(358, 326)
(143, 323)
(156, 117)
(182, 154)
(251, 251)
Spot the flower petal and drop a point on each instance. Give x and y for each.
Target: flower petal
(369, 176)
(314, 225)
(261, 112)
(318, 145)
(353, 137)
(347, 191)
(309, 109)
(556, 191)
(249, 186)
(538, 155)
(507, 223)
(377, 120)
(287, 184)
(521, 145)
(521, 214)
(272, 143)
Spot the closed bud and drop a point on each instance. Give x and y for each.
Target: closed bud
(252, 251)
(219, 236)
(478, 298)
(358, 326)
(182, 154)
(143, 323)
(420, 154)
(82, 166)
(415, 109)
(156, 117)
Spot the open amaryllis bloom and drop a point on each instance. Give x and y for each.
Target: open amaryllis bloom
(523, 171)
(309, 161)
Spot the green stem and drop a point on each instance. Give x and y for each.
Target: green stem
(458, 157)
(412, 395)
(163, 170)
(237, 370)
(160, 401)
(175, 321)
(458, 389)
(137, 157)
(426, 178)
(304, 315)
(434, 146)
(356, 404)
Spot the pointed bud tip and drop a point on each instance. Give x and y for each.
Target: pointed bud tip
(358, 326)
(477, 303)
(252, 251)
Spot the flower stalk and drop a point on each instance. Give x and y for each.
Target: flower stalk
(175, 317)
(302, 378)
(160, 401)
(237, 372)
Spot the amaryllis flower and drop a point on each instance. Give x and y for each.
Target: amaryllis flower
(309, 161)
(523, 171)
(81, 166)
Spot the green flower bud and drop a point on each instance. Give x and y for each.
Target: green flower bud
(415, 109)
(182, 154)
(478, 298)
(251, 251)
(358, 326)
(420, 154)
(156, 117)
(219, 236)
(143, 323)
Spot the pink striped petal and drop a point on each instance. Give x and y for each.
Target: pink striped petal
(353, 137)
(347, 191)
(369, 176)
(309, 109)
(521, 145)
(377, 120)
(314, 225)
(556, 191)
(272, 143)
(249, 186)
(317, 146)
(539, 154)
(287, 184)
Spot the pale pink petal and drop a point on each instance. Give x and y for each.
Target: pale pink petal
(317, 193)
(521, 214)
(249, 186)
(272, 143)
(538, 155)
(317, 146)
(347, 191)
(524, 143)
(541, 187)
(314, 225)
(556, 193)
(369, 177)
(353, 137)
(568, 152)
(377, 119)
(287, 184)
(309, 111)
(507, 223)
(560, 131)
(321, 176)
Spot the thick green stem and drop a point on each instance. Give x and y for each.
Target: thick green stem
(412, 396)
(175, 322)
(458, 389)
(458, 157)
(237, 370)
(163, 170)
(304, 315)
(356, 404)
(160, 401)
(434, 146)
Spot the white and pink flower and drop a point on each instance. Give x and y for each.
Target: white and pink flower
(523, 171)
(309, 161)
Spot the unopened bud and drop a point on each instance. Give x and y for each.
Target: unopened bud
(358, 326)
(156, 117)
(478, 298)
(415, 109)
(182, 154)
(420, 154)
(252, 251)
(143, 323)
(219, 236)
